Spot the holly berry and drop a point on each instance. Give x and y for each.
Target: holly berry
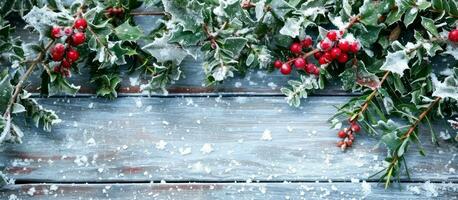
(310, 68)
(343, 45)
(325, 44)
(68, 31)
(327, 56)
(343, 58)
(277, 64)
(453, 35)
(66, 64)
(296, 48)
(332, 35)
(118, 11)
(322, 60)
(80, 24)
(72, 55)
(109, 11)
(342, 134)
(56, 32)
(285, 69)
(307, 42)
(335, 52)
(355, 127)
(317, 55)
(78, 38)
(354, 47)
(59, 48)
(316, 71)
(300, 63)
(349, 143)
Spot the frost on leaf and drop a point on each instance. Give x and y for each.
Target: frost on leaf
(446, 89)
(292, 27)
(163, 51)
(35, 18)
(396, 62)
(452, 50)
(186, 13)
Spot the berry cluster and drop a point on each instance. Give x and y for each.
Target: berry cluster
(333, 47)
(115, 12)
(300, 61)
(65, 53)
(453, 35)
(347, 135)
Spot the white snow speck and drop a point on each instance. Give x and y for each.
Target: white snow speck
(81, 161)
(354, 180)
(91, 105)
(165, 122)
(12, 197)
(53, 187)
(138, 103)
(161, 144)
(430, 189)
(185, 151)
(90, 142)
(206, 148)
(31, 191)
(266, 135)
(272, 85)
(366, 188)
(238, 84)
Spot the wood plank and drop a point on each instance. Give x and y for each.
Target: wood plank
(206, 139)
(231, 191)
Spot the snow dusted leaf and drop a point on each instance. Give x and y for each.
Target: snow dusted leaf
(429, 25)
(311, 9)
(163, 51)
(234, 45)
(448, 88)
(452, 49)
(299, 89)
(128, 32)
(259, 9)
(186, 13)
(59, 85)
(292, 27)
(35, 18)
(280, 8)
(396, 62)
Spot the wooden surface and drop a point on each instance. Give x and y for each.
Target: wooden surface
(237, 140)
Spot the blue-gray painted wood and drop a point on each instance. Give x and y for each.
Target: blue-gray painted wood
(120, 140)
(238, 191)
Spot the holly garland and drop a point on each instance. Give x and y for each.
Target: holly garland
(381, 49)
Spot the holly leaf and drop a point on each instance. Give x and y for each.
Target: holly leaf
(410, 16)
(234, 45)
(186, 13)
(163, 51)
(42, 19)
(59, 84)
(292, 27)
(128, 32)
(428, 24)
(365, 78)
(280, 8)
(452, 49)
(6, 91)
(370, 12)
(396, 62)
(448, 88)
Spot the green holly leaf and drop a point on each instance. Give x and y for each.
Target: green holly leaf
(391, 140)
(234, 45)
(396, 62)
(186, 38)
(186, 13)
(370, 12)
(292, 27)
(410, 16)
(35, 18)
(163, 51)
(108, 84)
(128, 32)
(280, 8)
(59, 84)
(428, 24)
(6, 91)
(446, 89)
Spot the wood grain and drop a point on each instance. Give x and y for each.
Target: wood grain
(241, 191)
(120, 140)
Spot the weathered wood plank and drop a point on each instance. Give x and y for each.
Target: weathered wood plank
(212, 139)
(231, 191)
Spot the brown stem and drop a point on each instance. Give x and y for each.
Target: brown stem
(353, 21)
(369, 98)
(147, 13)
(305, 55)
(420, 118)
(23, 78)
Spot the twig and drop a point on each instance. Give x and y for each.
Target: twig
(148, 13)
(420, 118)
(23, 78)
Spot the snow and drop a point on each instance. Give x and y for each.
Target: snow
(31, 191)
(138, 103)
(366, 188)
(430, 189)
(81, 161)
(206, 148)
(266, 135)
(13, 197)
(90, 142)
(161, 145)
(53, 187)
(184, 150)
(91, 105)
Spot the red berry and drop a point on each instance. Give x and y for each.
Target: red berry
(316, 71)
(80, 24)
(72, 55)
(349, 143)
(277, 64)
(68, 31)
(310, 68)
(295, 48)
(317, 55)
(56, 69)
(56, 32)
(453, 35)
(322, 60)
(59, 48)
(343, 45)
(343, 58)
(78, 38)
(300, 63)
(109, 11)
(285, 69)
(307, 42)
(66, 64)
(355, 127)
(354, 47)
(335, 52)
(325, 45)
(332, 35)
(342, 134)
(327, 56)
